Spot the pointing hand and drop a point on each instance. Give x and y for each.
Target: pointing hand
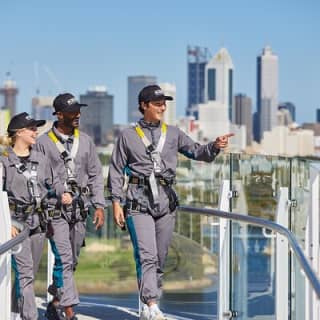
(222, 141)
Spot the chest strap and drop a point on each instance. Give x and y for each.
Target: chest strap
(32, 181)
(155, 155)
(67, 157)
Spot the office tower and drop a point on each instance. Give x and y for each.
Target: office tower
(219, 80)
(9, 92)
(97, 118)
(267, 91)
(135, 84)
(284, 117)
(318, 115)
(290, 107)
(42, 108)
(169, 89)
(214, 115)
(242, 114)
(197, 59)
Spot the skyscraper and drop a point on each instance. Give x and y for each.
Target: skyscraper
(9, 92)
(197, 60)
(42, 108)
(290, 107)
(135, 84)
(267, 92)
(215, 113)
(318, 115)
(219, 80)
(242, 114)
(97, 118)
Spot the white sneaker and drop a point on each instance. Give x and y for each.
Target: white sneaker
(144, 313)
(156, 314)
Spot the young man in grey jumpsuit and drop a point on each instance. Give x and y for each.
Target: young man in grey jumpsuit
(28, 180)
(80, 171)
(150, 201)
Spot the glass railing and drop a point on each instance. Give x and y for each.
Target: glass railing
(106, 272)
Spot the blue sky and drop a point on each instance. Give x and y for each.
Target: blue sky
(85, 43)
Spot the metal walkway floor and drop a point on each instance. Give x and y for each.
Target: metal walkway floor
(98, 311)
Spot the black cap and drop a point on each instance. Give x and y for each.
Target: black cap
(66, 102)
(152, 93)
(23, 120)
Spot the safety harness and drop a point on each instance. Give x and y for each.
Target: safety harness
(37, 205)
(32, 181)
(155, 155)
(71, 183)
(67, 157)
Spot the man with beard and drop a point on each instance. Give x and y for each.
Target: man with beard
(73, 156)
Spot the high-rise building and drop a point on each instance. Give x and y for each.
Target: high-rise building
(97, 118)
(9, 92)
(267, 91)
(290, 107)
(318, 115)
(169, 89)
(197, 60)
(219, 79)
(135, 84)
(214, 115)
(42, 108)
(242, 114)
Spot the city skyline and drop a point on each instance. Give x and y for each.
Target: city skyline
(73, 46)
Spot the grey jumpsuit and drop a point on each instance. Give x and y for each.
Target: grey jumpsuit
(69, 234)
(150, 227)
(26, 262)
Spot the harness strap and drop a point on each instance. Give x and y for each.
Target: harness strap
(67, 157)
(155, 154)
(32, 181)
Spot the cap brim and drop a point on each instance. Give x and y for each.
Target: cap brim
(72, 108)
(36, 123)
(159, 98)
(40, 123)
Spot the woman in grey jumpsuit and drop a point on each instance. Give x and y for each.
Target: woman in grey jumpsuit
(28, 181)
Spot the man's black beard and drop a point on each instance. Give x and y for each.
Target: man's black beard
(70, 123)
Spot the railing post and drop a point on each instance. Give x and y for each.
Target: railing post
(5, 259)
(282, 258)
(224, 254)
(312, 242)
(50, 264)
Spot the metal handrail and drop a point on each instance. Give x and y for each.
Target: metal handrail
(23, 234)
(309, 272)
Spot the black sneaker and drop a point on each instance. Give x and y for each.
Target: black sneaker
(52, 312)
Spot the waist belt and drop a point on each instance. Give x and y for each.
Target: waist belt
(135, 206)
(22, 208)
(144, 181)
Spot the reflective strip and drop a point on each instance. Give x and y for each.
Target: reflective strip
(135, 243)
(58, 266)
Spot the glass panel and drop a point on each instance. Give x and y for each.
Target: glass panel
(191, 289)
(106, 271)
(257, 180)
